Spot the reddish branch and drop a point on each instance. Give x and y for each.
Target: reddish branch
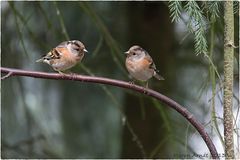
(149, 92)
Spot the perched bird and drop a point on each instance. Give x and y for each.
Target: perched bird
(66, 55)
(140, 64)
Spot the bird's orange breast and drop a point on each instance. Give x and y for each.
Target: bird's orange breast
(138, 65)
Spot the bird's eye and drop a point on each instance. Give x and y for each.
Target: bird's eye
(134, 54)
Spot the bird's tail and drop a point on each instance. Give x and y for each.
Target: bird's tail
(158, 77)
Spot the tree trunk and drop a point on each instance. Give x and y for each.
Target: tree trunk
(228, 78)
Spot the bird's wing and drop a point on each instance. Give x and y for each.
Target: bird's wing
(150, 61)
(153, 66)
(53, 54)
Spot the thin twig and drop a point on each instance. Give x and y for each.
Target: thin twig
(137, 140)
(9, 74)
(118, 83)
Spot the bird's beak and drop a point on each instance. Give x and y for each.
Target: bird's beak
(126, 52)
(86, 51)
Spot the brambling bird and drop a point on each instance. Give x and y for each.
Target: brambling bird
(66, 55)
(140, 64)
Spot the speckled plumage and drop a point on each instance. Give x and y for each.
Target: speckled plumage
(66, 55)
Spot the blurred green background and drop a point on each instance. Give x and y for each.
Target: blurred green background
(65, 119)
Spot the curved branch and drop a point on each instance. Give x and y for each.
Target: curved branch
(149, 92)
